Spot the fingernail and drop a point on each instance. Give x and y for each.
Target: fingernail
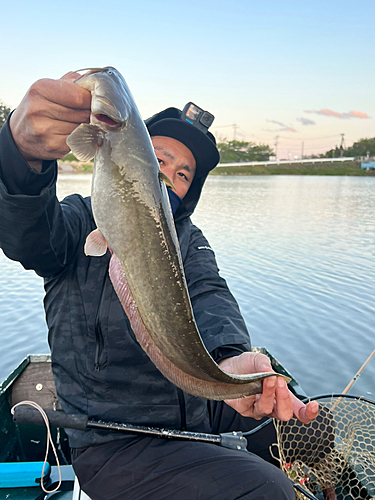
(271, 382)
(280, 382)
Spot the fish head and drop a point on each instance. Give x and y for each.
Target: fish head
(111, 99)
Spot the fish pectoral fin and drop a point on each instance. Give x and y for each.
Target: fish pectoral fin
(96, 245)
(84, 141)
(167, 180)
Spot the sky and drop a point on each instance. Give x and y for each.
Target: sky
(290, 72)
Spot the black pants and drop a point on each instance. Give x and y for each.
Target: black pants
(147, 468)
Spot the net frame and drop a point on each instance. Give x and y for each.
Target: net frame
(333, 457)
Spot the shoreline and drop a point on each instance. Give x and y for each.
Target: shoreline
(350, 168)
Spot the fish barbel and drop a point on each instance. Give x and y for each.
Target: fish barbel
(133, 216)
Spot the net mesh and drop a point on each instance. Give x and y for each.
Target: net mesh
(333, 456)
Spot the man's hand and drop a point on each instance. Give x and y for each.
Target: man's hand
(275, 401)
(48, 113)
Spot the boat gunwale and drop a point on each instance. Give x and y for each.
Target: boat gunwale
(30, 358)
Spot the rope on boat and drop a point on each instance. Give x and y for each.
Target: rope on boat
(49, 440)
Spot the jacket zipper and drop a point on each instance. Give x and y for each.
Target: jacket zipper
(98, 346)
(99, 341)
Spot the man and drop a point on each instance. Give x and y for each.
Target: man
(99, 368)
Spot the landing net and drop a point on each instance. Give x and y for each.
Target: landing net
(334, 456)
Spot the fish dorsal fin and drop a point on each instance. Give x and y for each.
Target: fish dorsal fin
(167, 180)
(96, 245)
(84, 140)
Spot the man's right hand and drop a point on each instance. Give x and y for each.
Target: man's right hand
(276, 401)
(46, 116)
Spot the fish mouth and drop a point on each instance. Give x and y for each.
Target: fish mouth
(107, 110)
(107, 120)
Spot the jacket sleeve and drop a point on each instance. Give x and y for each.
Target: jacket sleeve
(216, 311)
(35, 229)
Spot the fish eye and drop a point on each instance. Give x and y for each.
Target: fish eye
(109, 72)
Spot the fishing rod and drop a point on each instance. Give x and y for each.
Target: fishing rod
(233, 440)
(357, 375)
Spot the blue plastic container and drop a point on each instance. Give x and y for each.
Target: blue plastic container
(23, 474)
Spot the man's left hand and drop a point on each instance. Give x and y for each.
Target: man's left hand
(275, 401)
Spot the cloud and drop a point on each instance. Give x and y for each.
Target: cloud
(358, 114)
(305, 121)
(341, 116)
(283, 127)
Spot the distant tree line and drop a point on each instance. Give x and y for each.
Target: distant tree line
(363, 147)
(241, 151)
(4, 113)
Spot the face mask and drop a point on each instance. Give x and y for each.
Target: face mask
(174, 200)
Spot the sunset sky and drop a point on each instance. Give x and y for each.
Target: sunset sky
(301, 71)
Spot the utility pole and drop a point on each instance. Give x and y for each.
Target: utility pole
(276, 142)
(235, 127)
(342, 145)
(302, 151)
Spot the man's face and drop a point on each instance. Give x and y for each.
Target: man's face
(176, 161)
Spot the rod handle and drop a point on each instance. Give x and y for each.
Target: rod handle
(56, 418)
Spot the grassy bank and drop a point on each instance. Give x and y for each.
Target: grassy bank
(345, 168)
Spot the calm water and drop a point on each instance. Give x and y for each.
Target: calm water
(298, 254)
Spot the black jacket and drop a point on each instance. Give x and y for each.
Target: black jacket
(99, 368)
